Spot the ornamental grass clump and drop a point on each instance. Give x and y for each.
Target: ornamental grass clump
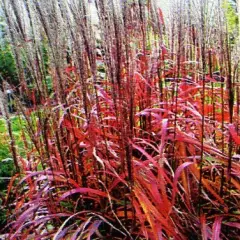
(132, 126)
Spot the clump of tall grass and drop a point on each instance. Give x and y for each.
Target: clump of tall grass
(134, 133)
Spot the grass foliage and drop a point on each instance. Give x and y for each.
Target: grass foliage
(137, 136)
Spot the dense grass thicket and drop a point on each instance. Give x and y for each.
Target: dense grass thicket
(130, 129)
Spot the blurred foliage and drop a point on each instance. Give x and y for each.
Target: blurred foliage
(6, 162)
(4, 148)
(232, 18)
(6, 171)
(7, 63)
(45, 56)
(17, 127)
